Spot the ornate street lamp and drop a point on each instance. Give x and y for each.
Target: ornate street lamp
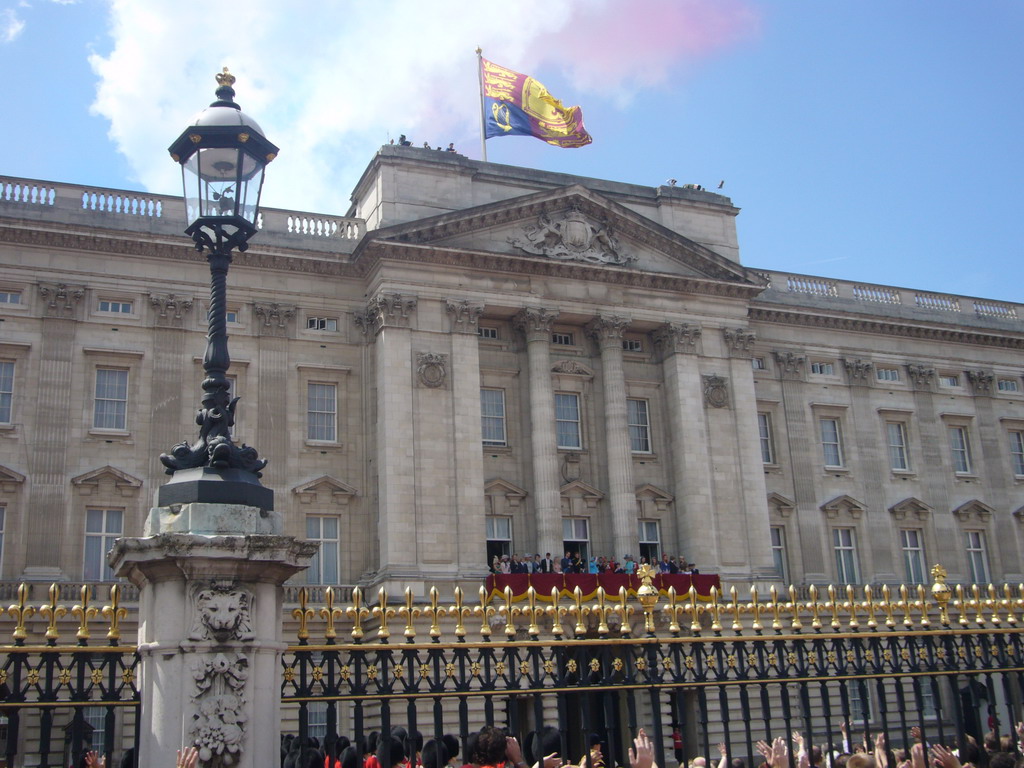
(223, 155)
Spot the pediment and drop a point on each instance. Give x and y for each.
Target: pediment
(781, 504)
(121, 480)
(974, 508)
(651, 499)
(500, 487)
(573, 226)
(910, 506)
(9, 479)
(841, 504)
(648, 491)
(580, 489)
(325, 488)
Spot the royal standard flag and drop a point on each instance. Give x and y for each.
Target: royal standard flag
(517, 105)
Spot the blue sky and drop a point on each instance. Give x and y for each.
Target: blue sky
(877, 141)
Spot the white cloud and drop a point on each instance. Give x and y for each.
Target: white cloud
(328, 82)
(10, 25)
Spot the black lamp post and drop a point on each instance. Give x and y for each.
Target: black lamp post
(223, 155)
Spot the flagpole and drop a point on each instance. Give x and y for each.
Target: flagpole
(483, 118)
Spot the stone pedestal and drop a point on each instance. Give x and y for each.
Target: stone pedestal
(210, 582)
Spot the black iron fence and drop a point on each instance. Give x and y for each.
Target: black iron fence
(694, 673)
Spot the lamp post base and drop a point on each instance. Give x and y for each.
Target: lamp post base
(208, 485)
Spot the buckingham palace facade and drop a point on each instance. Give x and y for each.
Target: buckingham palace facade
(480, 358)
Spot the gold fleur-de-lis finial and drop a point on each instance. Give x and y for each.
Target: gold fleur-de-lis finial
(410, 612)
(357, 613)
(485, 612)
(114, 613)
(84, 612)
(303, 614)
(436, 612)
(225, 78)
(21, 611)
(382, 613)
(460, 611)
(52, 612)
(330, 613)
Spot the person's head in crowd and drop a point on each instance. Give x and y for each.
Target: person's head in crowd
(861, 760)
(1002, 760)
(991, 741)
(971, 753)
(372, 741)
(737, 762)
(391, 751)
(349, 757)
(840, 760)
(540, 744)
(698, 762)
(489, 748)
(434, 754)
(451, 745)
(817, 757)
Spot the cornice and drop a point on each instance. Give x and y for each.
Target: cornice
(883, 327)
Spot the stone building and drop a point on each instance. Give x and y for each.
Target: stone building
(480, 358)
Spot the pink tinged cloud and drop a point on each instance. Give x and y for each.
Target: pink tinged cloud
(624, 45)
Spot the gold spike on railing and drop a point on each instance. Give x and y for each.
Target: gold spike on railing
(556, 612)
(794, 606)
(961, 606)
(852, 605)
(510, 627)
(940, 592)
(580, 629)
(460, 611)
(734, 606)
(922, 605)
(887, 606)
(21, 611)
(52, 612)
(410, 612)
(979, 616)
(330, 613)
(84, 612)
(625, 610)
(814, 605)
(357, 613)
(906, 606)
(755, 608)
(993, 604)
(486, 611)
(382, 613)
(533, 628)
(776, 607)
(602, 613)
(303, 614)
(695, 611)
(716, 612)
(869, 606)
(673, 610)
(114, 613)
(1011, 618)
(436, 612)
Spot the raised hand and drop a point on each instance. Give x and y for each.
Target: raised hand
(641, 754)
(93, 760)
(944, 758)
(188, 757)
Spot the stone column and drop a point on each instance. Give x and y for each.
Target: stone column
(535, 324)
(210, 629)
(607, 332)
(387, 318)
(696, 527)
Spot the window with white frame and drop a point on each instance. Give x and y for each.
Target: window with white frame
(928, 708)
(779, 555)
(758, 364)
(977, 557)
(860, 705)
(821, 368)
(831, 441)
(6, 391)
(487, 332)
(576, 536)
(844, 545)
(960, 449)
(650, 540)
(949, 380)
(110, 407)
(492, 416)
(322, 412)
(321, 323)
(115, 307)
(1007, 385)
(887, 374)
(896, 433)
(323, 568)
(632, 345)
(102, 528)
(316, 720)
(567, 420)
(1017, 452)
(499, 537)
(639, 421)
(231, 316)
(912, 545)
(562, 339)
(10, 297)
(96, 718)
(764, 430)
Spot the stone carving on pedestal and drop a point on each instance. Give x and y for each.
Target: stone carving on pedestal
(60, 299)
(386, 310)
(790, 364)
(222, 618)
(716, 391)
(170, 308)
(921, 376)
(739, 341)
(858, 371)
(981, 382)
(676, 337)
(572, 236)
(464, 315)
(431, 369)
(535, 323)
(276, 318)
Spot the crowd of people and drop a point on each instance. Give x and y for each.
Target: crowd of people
(572, 562)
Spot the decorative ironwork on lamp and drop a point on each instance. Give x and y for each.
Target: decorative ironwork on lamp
(223, 155)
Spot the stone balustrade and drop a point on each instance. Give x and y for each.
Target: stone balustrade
(46, 201)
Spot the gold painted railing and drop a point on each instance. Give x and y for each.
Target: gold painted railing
(84, 611)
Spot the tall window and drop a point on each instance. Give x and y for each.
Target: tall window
(567, 420)
(896, 431)
(860, 706)
(6, 391)
(639, 426)
(764, 429)
(576, 536)
(977, 557)
(102, 527)
(492, 416)
(831, 442)
(845, 547)
(323, 568)
(960, 449)
(499, 537)
(650, 541)
(97, 717)
(316, 720)
(111, 403)
(779, 556)
(912, 544)
(1017, 452)
(321, 415)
